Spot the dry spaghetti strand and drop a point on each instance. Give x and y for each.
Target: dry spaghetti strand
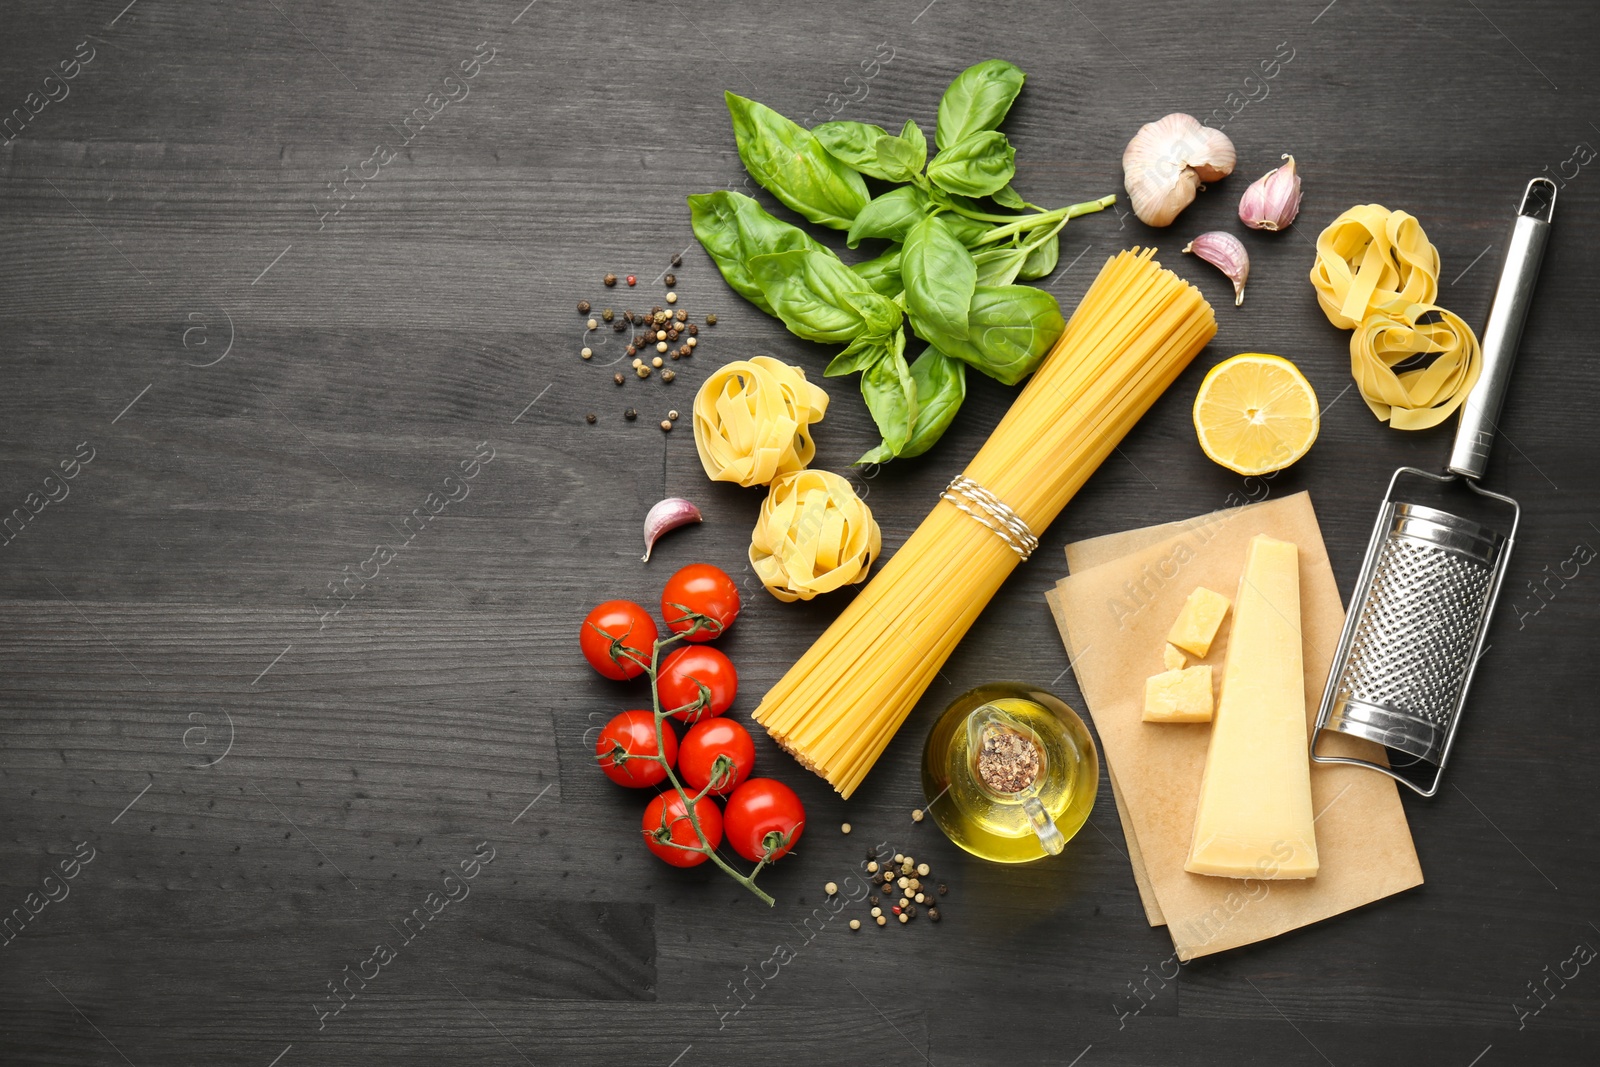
(1136, 329)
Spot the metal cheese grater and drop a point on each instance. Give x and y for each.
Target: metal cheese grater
(1427, 588)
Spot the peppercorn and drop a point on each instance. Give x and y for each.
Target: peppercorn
(904, 917)
(711, 320)
(632, 351)
(632, 279)
(593, 325)
(667, 376)
(676, 354)
(923, 869)
(667, 426)
(583, 307)
(692, 341)
(618, 327)
(832, 888)
(673, 415)
(661, 346)
(876, 912)
(872, 867)
(686, 351)
(630, 414)
(618, 378)
(920, 899)
(589, 418)
(671, 280)
(943, 889)
(643, 372)
(693, 329)
(882, 921)
(661, 335)
(682, 316)
(677, 261)
(873, 900)
(587, 353)
(916, 815)
(608, 314)
(610, 279)
(855, 924)
(656, 362)
(910, 912)
(933, 915)
(672, 298)
(637, 363)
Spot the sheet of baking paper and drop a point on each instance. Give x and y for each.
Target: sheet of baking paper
(1114, 615)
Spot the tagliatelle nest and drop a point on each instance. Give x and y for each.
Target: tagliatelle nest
(814, 535)
(752, 420)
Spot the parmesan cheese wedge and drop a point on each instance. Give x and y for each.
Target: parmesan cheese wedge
(1181, 695)
(1198, 620)
(1254, 819)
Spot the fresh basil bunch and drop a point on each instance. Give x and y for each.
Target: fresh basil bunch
(949, 271)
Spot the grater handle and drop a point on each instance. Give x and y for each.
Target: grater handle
(1502, 331)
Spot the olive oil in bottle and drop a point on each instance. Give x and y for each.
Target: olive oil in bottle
(1010, 773)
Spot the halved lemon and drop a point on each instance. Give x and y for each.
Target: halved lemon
(1256, 413)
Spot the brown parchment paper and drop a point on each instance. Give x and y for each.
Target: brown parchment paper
(1114, 614)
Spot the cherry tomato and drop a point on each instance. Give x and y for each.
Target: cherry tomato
(629, 735)
(608, 634)
(666, 819)
(764, 816)
(700, 589)
(682, 673)
(704, 743)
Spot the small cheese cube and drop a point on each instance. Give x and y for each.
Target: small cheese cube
(1182, 695)
(1197, 623)
(1172, 659)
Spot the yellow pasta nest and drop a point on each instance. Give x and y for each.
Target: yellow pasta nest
(814, 536)
(1378, 274)
(752, 421)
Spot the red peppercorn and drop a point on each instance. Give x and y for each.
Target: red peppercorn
(632, 280)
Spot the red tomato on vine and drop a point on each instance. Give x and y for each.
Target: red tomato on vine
(700, 590)
(669, 833)
(684, 671)
(618, 638)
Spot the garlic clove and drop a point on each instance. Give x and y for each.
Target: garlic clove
(1225, 252)
(668, 514)
(1273, 200)
(1166, 161)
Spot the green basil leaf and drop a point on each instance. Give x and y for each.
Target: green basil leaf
(1010, 328)
(968, 231)
(819, 298)
(1006, 196)
(883, 273)
(977, 100)
(999, 266)
(890, 216)
(1042, 260)
(898, 159)
(789, 161)
(912, 135)
(976, 166)
(891, 396)
(939, 276)
(941, 387)
(863, 352)
(854, 144)
(733, 229)
(882, 454)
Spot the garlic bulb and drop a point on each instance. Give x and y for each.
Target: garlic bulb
(1273, 200)
(1225, 252)
(1167, 160)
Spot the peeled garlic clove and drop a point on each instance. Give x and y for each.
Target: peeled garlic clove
(1273, 200)
(1166, 161)
(1225, 252)
(669, 514)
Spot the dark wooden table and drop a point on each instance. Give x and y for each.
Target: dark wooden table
(258, 367)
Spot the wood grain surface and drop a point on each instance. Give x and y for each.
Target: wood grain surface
(268, 389)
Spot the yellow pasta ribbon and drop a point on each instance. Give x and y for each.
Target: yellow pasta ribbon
(814, 535)
(1378, 274)
(752, 419)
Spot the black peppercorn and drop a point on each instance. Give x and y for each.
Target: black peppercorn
(671, 280)
(683, 315)
(667, 376)
(933, 915)
(589, 418)
(943, 889)
(610, 279)
(583, 307)
(693, 329)
(630, 414)
(677, 261)
(633, 350)
(618, 378)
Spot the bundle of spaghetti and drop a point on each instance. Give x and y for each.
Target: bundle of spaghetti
(1136, 329)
